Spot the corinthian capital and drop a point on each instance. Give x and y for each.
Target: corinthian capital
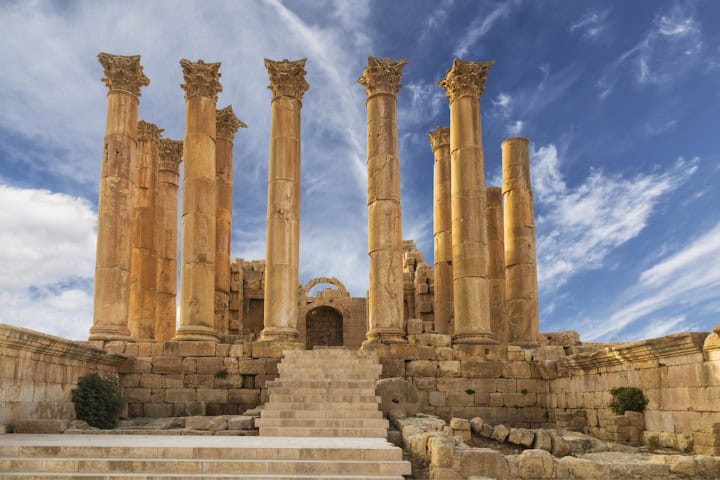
(148, 132)
(171, 152)
(123, 73)
(382, 75)
(287, 78)
(465, 78)
(439, 137)
(201, 78)
(227, 123)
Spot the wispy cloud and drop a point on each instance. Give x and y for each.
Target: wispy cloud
(481, 25)
(591, 24)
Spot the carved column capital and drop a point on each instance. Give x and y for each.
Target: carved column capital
(439, 137)
(465, 78)
(227, 123)
(287, 78)
(148, 132)
(382, 75)
(201, 78)
(123, 73)
(171, 152)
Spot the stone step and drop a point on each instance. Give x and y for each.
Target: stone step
(323, 432)
(329, 391)
(277, 405)
(322, 422)
(201, 476)
(322, 373)
(316, 398)
(268, 413)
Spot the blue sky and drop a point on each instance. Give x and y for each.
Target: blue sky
(620, 101)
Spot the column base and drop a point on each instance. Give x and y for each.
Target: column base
(109, 333)
(385, 335)
(195, 333)
(279, 334)
(478, 337)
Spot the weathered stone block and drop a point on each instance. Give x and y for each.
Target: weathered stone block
(444, 353)
(244, 396)
(421, 368)
(189, 349)
(137, 394)
(480, 461)
(476, 424)
(500, 433)
(414, 326)
(151, 380)
(241, 423)
(480, 369)
(424, 383)
(534, 464)
(460, 399)
(560, 447)
(180, 395)
(549, 352)
(27, 425)
(210, 365)
(543, 440)
(158, 410)
(273, 349)
(516, 370)
(459, 424)
(486, 430)
(449, 368)
(437, 399)
(167, 365)
(209, 395)
(521, 436)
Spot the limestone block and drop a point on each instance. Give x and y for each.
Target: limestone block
(459, 424)
(211, 395)
(543, 440)
(137, 394)
(424, 383)
(486, 430)
(444, 473)
(437, 399)
(244, 396)
(27, 425)
(480, 461)
(707, 466)
(241, 423)
(521, 436)
(560, 448)
(461, 399)
(516, 370)
(167, 365)
(273, 349)
(481, 369)
(432, 340)
(421, 368)
(444, 353)
(198, 381)
(441, 451)
(506, 385)
(549, 352)
(398, 397)
(210, 365)
(173, 380)
(585, 469)
(500, 433)
(392, 367)
(158, 410)
(414, 326)
(189, 349)
(151, 380)
(476, 425)
(535, 464)
(180, 395)
(566, 338)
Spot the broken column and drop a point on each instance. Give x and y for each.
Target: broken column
(197, 270)
(381, 79)
(287, 83)
(227, 126)
(166, 238)
(123, 77)
(520, 262)
(442, 230)
(496, 264)
(464, 83)
(143, 260)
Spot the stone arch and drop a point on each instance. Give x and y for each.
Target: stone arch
(330, 281)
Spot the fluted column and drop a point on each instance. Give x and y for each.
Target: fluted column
(123, 77)
(381, 79)
(287, 83)
(442, 230)
(166, 238)
(227, 125)
(496, 264)
(520, 261)
(464, 83)
(143, 260)
(197, 274)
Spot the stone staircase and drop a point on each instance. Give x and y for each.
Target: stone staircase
(327, 392)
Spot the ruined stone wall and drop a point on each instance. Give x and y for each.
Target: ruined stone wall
(38, 373)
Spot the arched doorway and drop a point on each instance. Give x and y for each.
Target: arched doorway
(324, 327)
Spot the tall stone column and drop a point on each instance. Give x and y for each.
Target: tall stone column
(381, 79)
(442, 230)
(166, 238)
(287, 83)
(123, 77)
(227, 125)
(496, 264)
(464, 83)
(143, 260)
(520, 261)
(197, 270)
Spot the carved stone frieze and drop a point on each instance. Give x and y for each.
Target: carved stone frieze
(227, 123)
(171, 152)
(287, 78)
(201, 78)
(465, 78)
(382, 75)
(123, 73)
(148, 132)
(438, 137)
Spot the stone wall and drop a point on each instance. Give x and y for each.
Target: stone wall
(38, 373)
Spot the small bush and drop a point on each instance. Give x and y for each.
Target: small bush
(97, 401)
(222, 373)
(470, 391)
(627, 399)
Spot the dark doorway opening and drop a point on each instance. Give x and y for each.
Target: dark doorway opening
(324, 327)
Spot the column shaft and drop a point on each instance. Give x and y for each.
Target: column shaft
(287, 82)
(197, 275)
(166, 238)
(464, 83)
(381, 79)
(496, 264)
(442, 231)
(520, 260)
(124, 77)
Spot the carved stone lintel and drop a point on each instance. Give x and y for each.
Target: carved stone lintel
(227, 123)
(439, 137)
(382, 75)
(465, 78)
(201, 78)
(148, 132)
(171, 152)
(123, 73)
(287, 78)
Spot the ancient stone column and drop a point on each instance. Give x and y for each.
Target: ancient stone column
(464, 83)
(520, 262)
(287, 83)
(227, 124)
(143, 260)
(496, 264)
(442, 230)
(123, 77)
(197, 269)
(381, 79)
(166, 238)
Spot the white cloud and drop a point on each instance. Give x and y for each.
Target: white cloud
(480, 26)
(516, 128)
(591, 24)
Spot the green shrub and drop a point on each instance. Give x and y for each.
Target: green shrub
(627, 399)
(222, 374)
(97, 401)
